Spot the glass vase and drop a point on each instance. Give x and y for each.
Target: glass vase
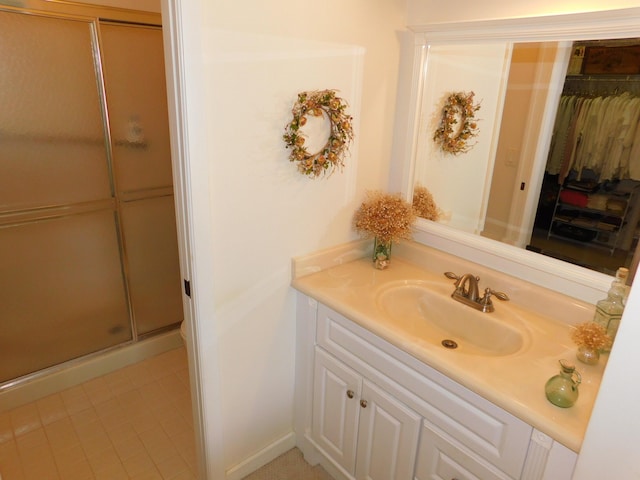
(562, 389)
(381, 253)
(588, 355)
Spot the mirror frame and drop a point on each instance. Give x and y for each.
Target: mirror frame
(564, 277)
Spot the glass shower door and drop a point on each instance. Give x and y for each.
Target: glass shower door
(61, 291)
(62, 288)
(133, 68)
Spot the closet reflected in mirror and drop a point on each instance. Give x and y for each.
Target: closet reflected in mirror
(589, 204)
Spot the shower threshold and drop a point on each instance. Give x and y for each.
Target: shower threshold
(74, 372)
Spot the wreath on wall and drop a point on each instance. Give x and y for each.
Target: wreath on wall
(319, 103)
(457, 123)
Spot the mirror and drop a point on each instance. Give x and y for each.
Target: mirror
(506, 186)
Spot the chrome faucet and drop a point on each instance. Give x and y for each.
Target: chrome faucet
(467, 292)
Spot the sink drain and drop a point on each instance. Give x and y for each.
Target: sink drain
(446, 343)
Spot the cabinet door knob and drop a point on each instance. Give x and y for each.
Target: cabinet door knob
(350, 393)
(363, 403)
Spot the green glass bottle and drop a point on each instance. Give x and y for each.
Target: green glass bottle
(609, 310)
(562, 389)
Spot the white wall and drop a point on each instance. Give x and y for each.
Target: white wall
(244, 63)
(265, 212)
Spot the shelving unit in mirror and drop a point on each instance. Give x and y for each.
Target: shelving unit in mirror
(596, 213)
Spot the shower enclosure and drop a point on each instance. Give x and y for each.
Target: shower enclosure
(88, 247)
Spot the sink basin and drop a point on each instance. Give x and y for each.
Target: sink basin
(426, 310)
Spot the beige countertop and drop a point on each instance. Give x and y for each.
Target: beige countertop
(514, 382)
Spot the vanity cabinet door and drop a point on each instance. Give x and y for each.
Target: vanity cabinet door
(336, 409)
(361, 427)
(443, 459)
(387, 436)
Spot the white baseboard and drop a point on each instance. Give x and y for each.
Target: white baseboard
(261, 458)
(313, 454)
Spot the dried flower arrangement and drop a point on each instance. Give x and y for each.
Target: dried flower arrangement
(591, 335)
(452, 137)
(384, 216)
(330, 156)
(424, 204)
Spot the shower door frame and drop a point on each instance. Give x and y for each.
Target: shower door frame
(92, 16)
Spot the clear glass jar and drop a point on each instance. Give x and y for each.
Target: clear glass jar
(562, 389)
(588, 355)
(609, 310)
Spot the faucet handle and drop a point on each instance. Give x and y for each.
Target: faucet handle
(452, 276)
(455, 277)
(499, 295)
(486, 300)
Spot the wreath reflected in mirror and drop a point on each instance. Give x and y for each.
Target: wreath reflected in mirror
(457, 123)
(323, 103)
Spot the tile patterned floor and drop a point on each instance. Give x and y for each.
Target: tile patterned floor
(290, 466)
(134, 423)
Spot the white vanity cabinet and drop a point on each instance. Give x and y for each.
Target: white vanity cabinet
(368, 410)
(367, 431)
